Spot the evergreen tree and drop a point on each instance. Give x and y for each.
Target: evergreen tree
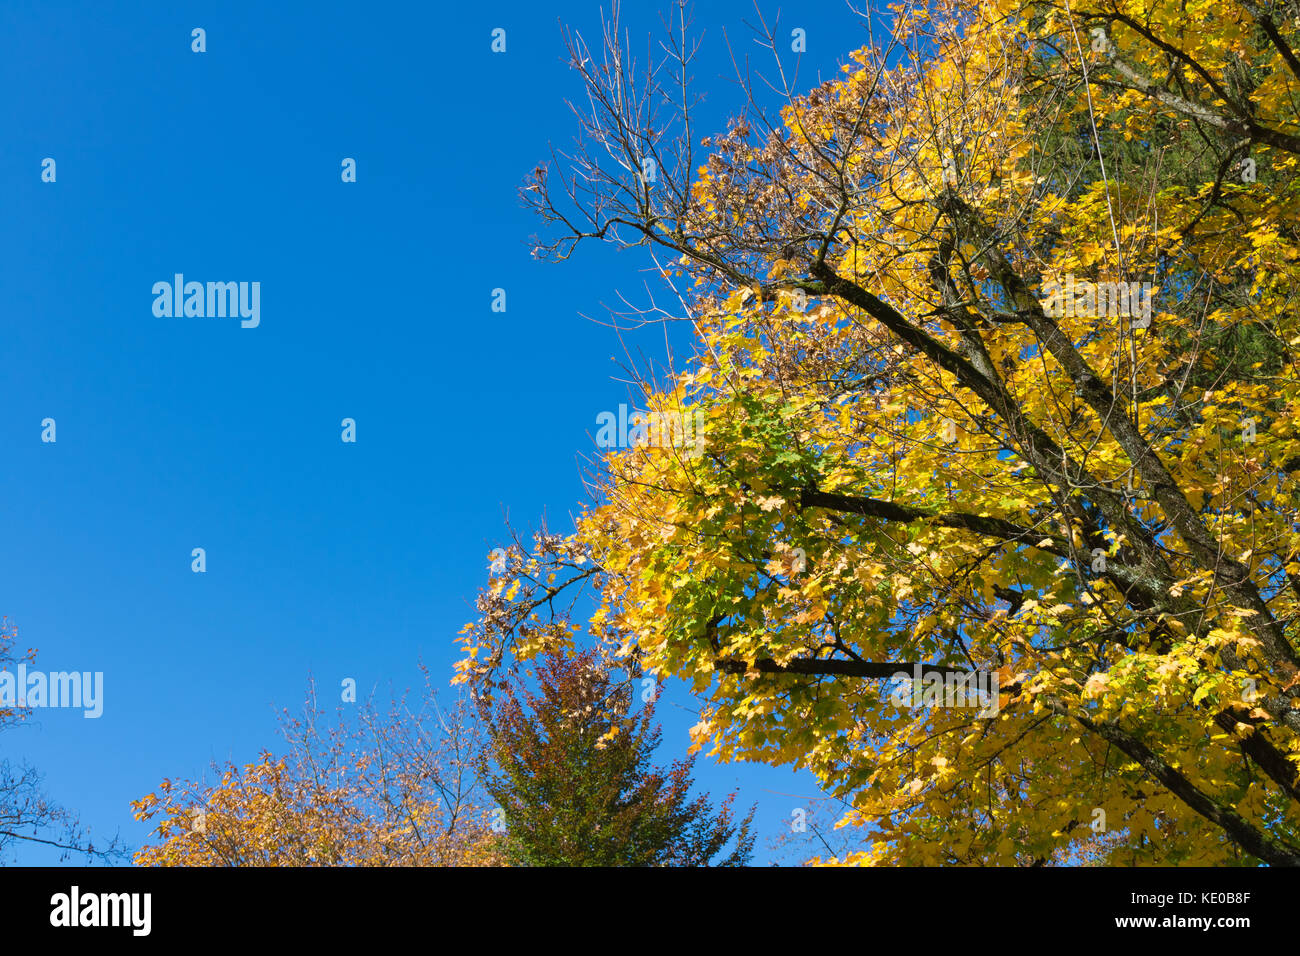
(573, 773)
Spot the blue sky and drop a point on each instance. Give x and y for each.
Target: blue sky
(338, 560)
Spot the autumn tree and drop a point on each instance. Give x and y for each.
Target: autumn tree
(27, 814)
(575, 778)
(995, 353)
(367, 786)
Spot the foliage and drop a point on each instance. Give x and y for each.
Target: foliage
(392, 788)
(915, 459)
(577, 785)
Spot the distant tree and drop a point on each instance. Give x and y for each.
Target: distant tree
(575, 779)
(386, 787)
(27, 815)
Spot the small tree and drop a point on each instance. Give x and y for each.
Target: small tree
(27, 814)
(392, 787)
(575, 778)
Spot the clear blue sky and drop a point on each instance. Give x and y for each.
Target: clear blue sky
(341, 560)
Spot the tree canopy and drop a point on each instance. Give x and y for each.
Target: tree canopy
(994, 351)
(394, 786)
